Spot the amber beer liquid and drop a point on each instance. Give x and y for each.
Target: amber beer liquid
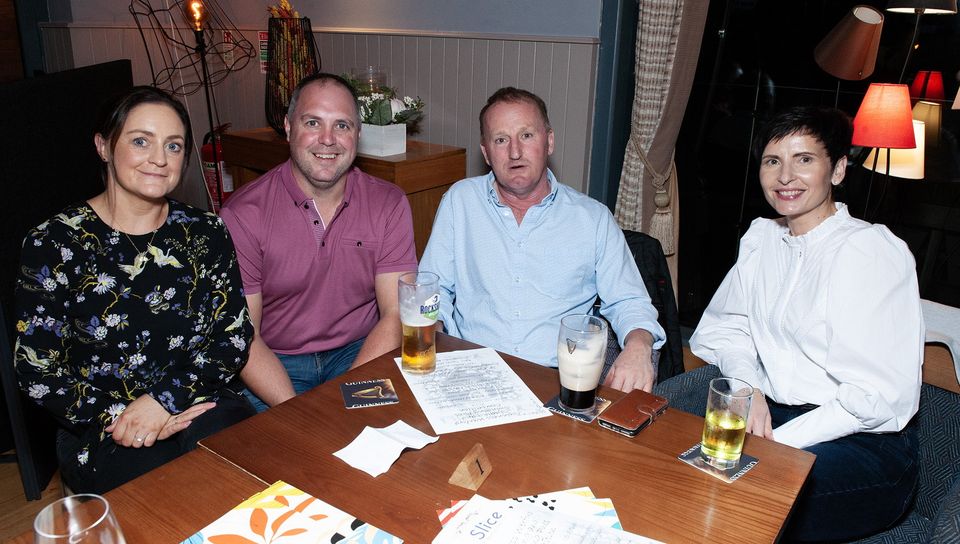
(725, 425)
(419, 352)
(723, 434)
(419, 307)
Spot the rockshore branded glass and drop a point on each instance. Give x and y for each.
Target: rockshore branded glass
(580, 349)
(419, 307)
(77, 519)
(725, 427)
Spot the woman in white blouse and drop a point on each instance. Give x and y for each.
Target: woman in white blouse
(821, 314)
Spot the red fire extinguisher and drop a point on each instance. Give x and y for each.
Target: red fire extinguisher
(218, 194)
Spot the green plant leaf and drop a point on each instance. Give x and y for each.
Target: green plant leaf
(380, 113)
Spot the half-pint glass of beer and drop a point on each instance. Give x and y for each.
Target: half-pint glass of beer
(580, 349)
(728, 405)
(419, 307)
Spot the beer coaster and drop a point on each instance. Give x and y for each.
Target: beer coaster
(692, 457)
(368, 393)
(587, 417)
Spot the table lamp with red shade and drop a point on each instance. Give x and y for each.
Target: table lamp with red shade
(883, 122)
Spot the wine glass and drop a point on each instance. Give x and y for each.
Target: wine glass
(77, 519)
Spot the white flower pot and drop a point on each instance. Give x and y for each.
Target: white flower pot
(384, 140)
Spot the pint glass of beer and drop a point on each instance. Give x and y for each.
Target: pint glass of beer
(419, 307)
(580, 349)
(725, 427)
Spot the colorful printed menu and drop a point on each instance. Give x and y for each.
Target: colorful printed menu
(283, 513)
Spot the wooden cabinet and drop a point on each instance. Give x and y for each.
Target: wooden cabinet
(424, 172)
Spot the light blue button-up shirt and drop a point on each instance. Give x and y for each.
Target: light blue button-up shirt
(506, 286)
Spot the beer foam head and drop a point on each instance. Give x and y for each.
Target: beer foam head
(413, 318)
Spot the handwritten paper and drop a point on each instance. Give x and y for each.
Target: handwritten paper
(471, 389)
(507, 522)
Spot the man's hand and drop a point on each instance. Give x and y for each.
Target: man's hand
(758, 422)
(633, 368)
(144, 421)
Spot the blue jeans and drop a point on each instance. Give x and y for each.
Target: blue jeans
(309, 370)
(860, 484)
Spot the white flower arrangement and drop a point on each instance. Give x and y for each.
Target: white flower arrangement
(379, 105)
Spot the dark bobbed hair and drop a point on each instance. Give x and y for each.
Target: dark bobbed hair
(324, 78)
(514, 95)
(115, 112)
(830, 126)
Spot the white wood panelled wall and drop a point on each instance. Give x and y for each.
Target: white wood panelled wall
(454, 75)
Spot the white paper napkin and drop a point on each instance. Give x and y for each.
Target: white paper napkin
(375, 450)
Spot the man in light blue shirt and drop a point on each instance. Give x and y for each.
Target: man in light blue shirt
(516, 250)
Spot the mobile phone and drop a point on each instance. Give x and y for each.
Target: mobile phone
(633, 412)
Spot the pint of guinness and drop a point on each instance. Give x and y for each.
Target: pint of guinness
(580, 350)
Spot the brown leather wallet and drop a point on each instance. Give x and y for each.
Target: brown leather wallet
(633, 412)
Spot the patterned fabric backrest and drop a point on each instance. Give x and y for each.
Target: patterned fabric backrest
(946, 528)
(939, 432)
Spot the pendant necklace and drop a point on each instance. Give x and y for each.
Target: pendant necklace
(140, 260)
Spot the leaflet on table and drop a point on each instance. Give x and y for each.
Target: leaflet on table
(471, 389)
(579, 502)
(503, 522)
(283, 513)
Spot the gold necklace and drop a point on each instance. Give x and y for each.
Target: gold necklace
(150, 243)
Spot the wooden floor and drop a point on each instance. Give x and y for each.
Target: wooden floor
(16, 512)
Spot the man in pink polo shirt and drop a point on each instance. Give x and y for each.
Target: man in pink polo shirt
(321, 246)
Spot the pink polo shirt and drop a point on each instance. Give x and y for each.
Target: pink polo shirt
(317, 284)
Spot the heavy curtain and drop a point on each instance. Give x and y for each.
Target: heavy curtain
(668, 44)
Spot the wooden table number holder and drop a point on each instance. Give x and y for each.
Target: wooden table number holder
(473, 469)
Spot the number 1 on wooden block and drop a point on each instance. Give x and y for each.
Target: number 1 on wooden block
(473, 469)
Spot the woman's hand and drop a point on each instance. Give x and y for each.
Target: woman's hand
(144, 421)
(758, 422)
(183, 420)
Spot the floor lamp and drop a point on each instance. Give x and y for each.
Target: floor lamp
(883, 122)
(849, 51)
(197, 14)
(920, 8)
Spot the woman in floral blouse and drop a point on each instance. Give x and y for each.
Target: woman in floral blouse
(132, 325)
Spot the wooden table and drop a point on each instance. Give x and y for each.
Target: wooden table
(424, 172)
(655, 494)
(178, 499)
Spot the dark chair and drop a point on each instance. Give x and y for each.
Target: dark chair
(648, 254)
(935, 513)
(47, 160)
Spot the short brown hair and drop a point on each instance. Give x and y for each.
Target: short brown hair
(514, 95)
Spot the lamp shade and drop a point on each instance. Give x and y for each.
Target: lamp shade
(928, 7)
(884, 118)
(849, 51)
(930, 113)
(956, 102)
(927, 85)
(904, 163)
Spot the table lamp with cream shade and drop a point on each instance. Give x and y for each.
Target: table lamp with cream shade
(930, 113)
(883, 122)
(849, 51)
(904, 163)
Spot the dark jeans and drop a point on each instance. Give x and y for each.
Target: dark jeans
(111, 464)
(309, 370)
(860, 484)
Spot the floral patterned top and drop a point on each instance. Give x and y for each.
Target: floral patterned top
(103, 318)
